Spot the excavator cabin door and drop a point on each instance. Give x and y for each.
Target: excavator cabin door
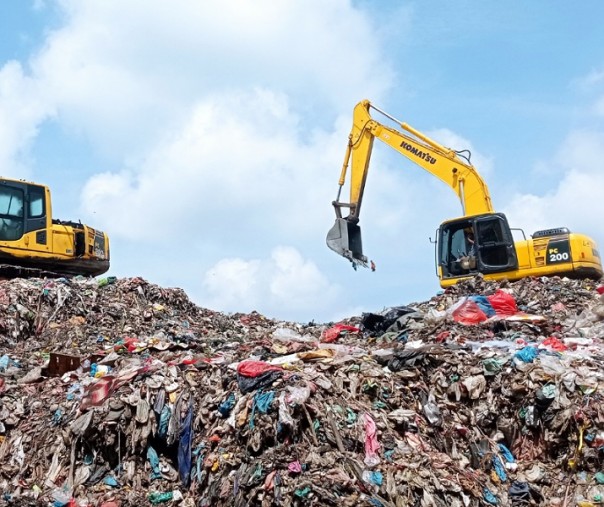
(477, 244)
(495, 244)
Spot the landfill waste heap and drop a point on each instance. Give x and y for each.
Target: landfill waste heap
(117, 392)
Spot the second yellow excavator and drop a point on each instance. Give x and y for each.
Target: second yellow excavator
(480, 241)
(33, 244)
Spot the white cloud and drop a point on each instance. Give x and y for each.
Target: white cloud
(238, 157)
(285, 283)
(598, 107)
(124, 73)
(231, 283)
(594, 78)
(298, 282)
(576, 200)
(22, 108)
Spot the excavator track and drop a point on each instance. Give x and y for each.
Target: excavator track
(10, 272)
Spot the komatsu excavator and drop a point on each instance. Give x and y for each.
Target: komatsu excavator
(480, 241)
(33, 244)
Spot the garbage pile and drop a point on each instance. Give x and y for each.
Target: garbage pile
(117, 392)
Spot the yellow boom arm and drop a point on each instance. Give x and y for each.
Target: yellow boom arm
(442, 162)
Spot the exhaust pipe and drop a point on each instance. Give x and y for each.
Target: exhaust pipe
(344, 238)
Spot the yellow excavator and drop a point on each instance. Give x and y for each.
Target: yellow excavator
(33, 244)
(480, 241)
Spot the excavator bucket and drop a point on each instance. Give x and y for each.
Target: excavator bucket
(344, 238)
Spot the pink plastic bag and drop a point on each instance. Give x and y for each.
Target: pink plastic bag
(372, 446)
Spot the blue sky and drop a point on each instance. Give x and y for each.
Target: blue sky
(207, 139)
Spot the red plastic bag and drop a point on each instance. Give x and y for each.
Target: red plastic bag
(503, 303)
(554, 344)
(469, 313)
(334, 332)
(442, 336)
(255, 368)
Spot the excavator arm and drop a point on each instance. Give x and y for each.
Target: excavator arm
(444, 163)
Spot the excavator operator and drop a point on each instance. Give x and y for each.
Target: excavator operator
(470, 245)
(468, 258)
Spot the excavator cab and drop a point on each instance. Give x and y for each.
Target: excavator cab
(476, 244)
(22, 209)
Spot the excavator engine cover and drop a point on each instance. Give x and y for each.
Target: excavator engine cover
(344, 238)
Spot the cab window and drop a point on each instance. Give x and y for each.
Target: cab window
(36, 202)
(11, 213)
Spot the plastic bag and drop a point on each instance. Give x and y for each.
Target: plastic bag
(552, 343)
(285, 334)
(372, 445)
(298, 395)
(154, 462)
(380, 322)
(475, 386)
(434, 317)
(249, 384)
(484, 304)
(284, 413)
(503, 303)
(255, 368)
(404, 359)
(468, 313)
(432, 412)
(551, 365)
(184, 448)
(227, 405)
(527, 354)
(334, 332)
(343, 353)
